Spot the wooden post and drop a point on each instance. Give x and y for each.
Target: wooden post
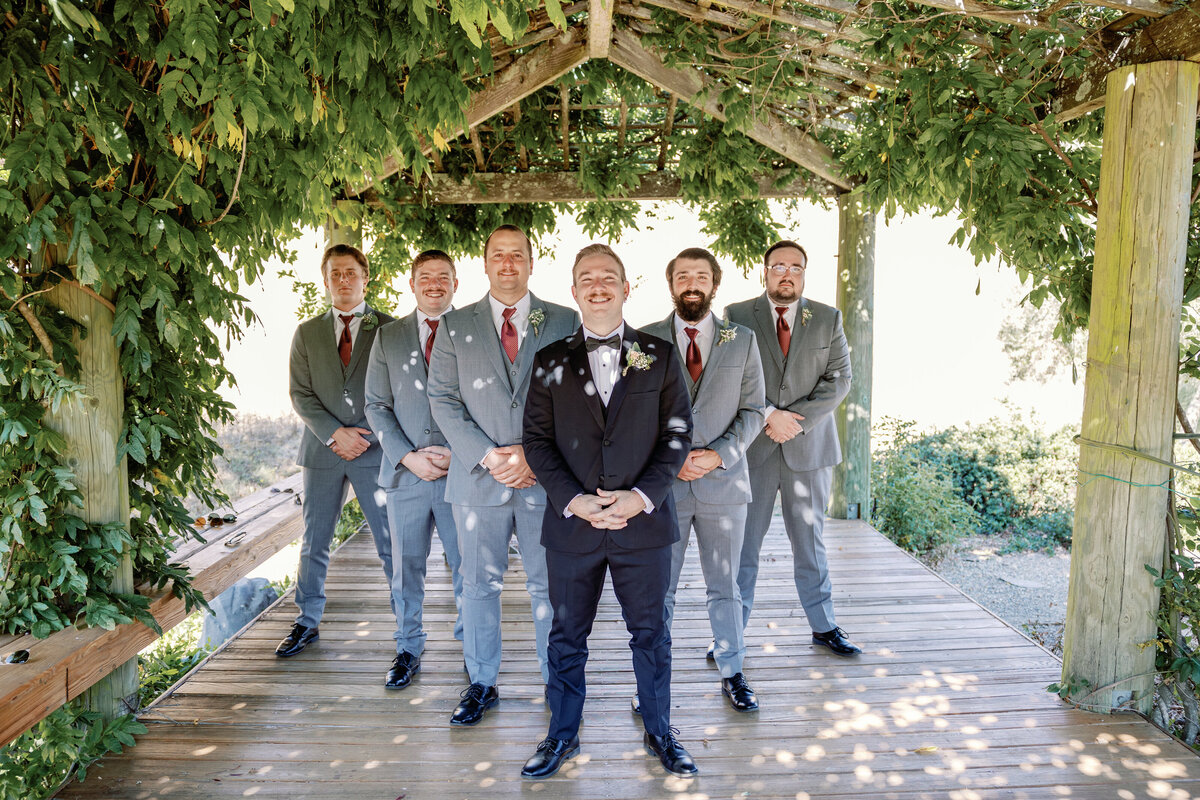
(346, 225)
(1129, 391)
(92, 428)
(851, 497)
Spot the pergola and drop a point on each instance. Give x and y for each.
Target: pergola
(1139, 71)
(565, 66)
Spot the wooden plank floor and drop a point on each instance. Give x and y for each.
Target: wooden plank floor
(946, 702)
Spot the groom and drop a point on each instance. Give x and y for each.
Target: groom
(608, 424)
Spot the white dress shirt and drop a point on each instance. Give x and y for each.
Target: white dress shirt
(355, 323)
(704, 339)
(605, 363)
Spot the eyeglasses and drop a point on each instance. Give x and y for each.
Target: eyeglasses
(784, 269)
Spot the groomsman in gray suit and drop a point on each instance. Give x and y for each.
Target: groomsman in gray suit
(478, 379)
(415, 456)
(806, 362)
(328, 372)
(724, 377)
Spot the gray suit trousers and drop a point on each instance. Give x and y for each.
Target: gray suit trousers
(414, 510)
(719, 530)
(483, 536)
(325, 491)
(805, 495)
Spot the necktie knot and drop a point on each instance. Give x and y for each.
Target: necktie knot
(781, 310)
(346, 318)
(594, 344)
(432, 323)
(508, 313)
(692, 333)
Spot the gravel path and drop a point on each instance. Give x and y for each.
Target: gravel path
(1026, 590)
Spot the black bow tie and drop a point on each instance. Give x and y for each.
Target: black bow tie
(593, 344)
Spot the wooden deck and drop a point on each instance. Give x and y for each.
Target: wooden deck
(947, 701)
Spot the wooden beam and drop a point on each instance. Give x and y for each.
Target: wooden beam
(527, 74)
(851, 491)
(1172, 38)
(522, 151)
(477, 149)
(1130, 387)
(563, 187)
(600, 26)
(690, 85)
(622, 122)
(668, 127)
(65, 664)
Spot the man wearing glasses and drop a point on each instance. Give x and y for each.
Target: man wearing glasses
(806, 363)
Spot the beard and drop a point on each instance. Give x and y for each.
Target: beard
(783, 295)
(691, 308)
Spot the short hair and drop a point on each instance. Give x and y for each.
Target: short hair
(783, 243)
(514, 229)
(345, 250)
(597, 250)
(697, 254)
(425, 256)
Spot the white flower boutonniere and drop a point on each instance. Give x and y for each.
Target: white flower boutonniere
(367, 321)
(536, 317)
(636, 358)
(726, 334)
(805, 315)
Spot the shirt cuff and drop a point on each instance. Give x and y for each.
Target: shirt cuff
(483, 461)
(567, 512)
(646, 500)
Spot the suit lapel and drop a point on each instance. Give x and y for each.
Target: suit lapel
(765, 315)
(622, 384)
(716, 352)
(489, 341)
(669, 333)
(581, 369)
(531, 343)
(362, 342)
(409, 334)
(326, 344)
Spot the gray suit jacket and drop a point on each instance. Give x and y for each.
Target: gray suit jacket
(478, 398)
(727, 410)
(326, 395)
(813, 381)
(398, 399)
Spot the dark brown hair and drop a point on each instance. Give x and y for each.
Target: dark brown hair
(783, 243)
(697, 254)
(345, 250)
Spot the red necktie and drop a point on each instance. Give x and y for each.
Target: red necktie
(508, 336)
(432, 323)
(694, 367)
(783, 330)
(345, 344)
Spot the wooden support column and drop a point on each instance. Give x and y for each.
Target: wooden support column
(344, 226)
(1129, 391)
(851, 497)
(92, 427)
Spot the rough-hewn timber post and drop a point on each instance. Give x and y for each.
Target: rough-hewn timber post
(346, 227)
(856, 298)
(1129, 392)
(92, 429)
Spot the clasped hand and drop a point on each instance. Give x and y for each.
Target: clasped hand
(349, 444)
(699, 463)
(508, 465)
(783, 426)
(428, 463)
(606, 510)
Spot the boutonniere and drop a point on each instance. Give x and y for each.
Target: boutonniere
(636, 358)
(805, 315)
(367, 321)
(536, 317)
(726, 334)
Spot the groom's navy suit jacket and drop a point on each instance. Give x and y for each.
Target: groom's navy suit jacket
(575, 445)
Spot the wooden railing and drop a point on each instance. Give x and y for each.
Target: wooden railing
(65, 664)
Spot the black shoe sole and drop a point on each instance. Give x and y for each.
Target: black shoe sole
(566, 757)
(482, 714)
(298, 651)
(669, 771)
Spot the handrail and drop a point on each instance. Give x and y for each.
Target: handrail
(65, 664)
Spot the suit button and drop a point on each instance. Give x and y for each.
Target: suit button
(607, 442)
(427, 431)
(514, 405)
(513, 373)
(782, 386)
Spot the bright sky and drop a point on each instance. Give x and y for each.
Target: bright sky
(937, 357)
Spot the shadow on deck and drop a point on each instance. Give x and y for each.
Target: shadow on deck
(946, 701)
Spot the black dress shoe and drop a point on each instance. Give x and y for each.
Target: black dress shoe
(711, 655)
(670, 752)
(549, 757)
(404, 667)
(297, 640)
(740, 695)
(837, 641)
(635, 705)
(476, 699)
